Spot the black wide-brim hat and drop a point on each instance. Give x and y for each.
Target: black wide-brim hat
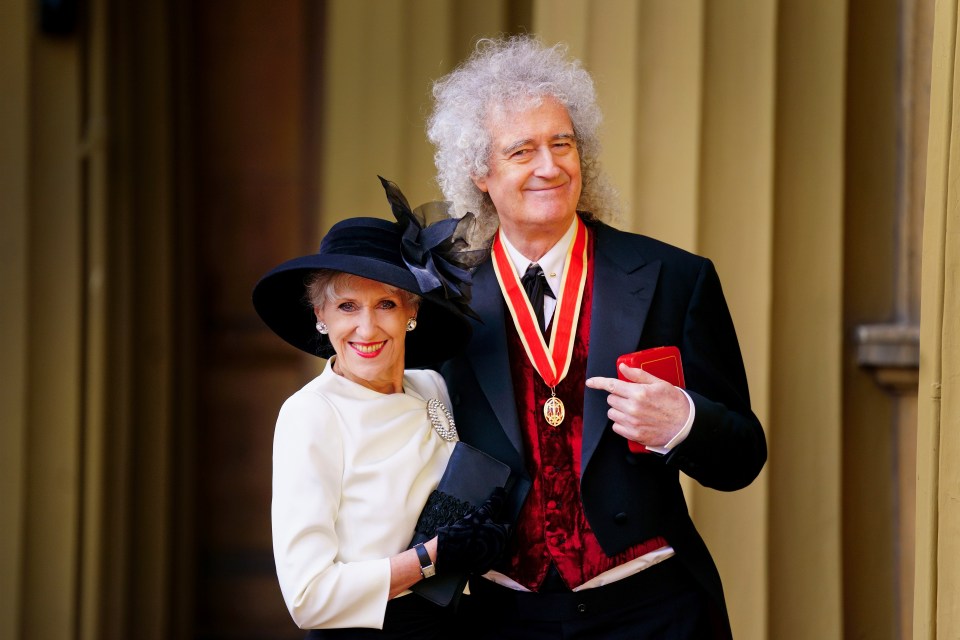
(401, 254)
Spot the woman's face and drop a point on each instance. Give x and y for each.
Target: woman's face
(367, 325)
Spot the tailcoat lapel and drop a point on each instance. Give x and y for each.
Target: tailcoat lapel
(489, 355)
(623, 286)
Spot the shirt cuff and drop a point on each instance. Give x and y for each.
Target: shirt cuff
(682, 434)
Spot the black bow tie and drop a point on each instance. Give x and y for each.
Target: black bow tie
(536, 286)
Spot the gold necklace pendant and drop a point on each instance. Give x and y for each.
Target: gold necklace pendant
(554, 411)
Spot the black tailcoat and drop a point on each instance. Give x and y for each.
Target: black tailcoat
(645, 294)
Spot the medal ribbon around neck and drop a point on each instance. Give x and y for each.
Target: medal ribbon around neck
(551, 361)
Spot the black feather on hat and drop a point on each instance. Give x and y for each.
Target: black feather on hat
(430, 260)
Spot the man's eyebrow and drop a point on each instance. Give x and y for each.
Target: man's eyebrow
(522, 143)
(516, 145)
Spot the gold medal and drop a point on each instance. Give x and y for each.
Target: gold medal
(554, 411)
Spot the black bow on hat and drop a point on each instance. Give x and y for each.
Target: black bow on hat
(436, 253)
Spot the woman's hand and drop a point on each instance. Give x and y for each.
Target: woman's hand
(474, 542)
(405, 568)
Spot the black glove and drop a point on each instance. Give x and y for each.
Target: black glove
(474, 542)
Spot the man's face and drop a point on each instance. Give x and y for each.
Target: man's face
(534, 176)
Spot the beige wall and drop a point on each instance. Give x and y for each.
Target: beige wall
(377, 95)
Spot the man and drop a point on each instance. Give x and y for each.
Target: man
(603, 545)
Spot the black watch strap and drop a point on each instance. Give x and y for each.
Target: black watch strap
(427, 570)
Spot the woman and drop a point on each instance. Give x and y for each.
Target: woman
(359, 449)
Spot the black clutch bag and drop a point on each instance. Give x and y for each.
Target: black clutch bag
(469, 479)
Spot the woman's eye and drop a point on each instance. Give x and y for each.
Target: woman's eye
(347, 306)
(388, 304)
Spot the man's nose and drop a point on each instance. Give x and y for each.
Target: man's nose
(546, 163)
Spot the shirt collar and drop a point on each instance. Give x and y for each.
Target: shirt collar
(552, 261)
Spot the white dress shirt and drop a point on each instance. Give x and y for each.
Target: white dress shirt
(352, 471)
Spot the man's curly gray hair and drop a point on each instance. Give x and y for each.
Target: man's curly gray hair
(512, 72)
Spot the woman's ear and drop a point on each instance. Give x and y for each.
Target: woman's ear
(316, 313)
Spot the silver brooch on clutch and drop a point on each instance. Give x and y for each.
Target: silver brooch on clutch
(442, 420)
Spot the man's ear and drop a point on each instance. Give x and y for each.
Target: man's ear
(481, 182)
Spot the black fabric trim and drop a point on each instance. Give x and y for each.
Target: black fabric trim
(441, 509)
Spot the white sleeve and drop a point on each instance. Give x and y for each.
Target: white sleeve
(308, 469)
(681, 435)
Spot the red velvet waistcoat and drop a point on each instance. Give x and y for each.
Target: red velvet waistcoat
(552, 526)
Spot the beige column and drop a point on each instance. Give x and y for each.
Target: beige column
(937, 595)
(14, 202)
(806, 371)
(735, 228)
(97, 385)
(146, 393)
(52, 313)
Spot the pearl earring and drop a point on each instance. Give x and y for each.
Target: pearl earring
(411, 324)
(322, 328)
